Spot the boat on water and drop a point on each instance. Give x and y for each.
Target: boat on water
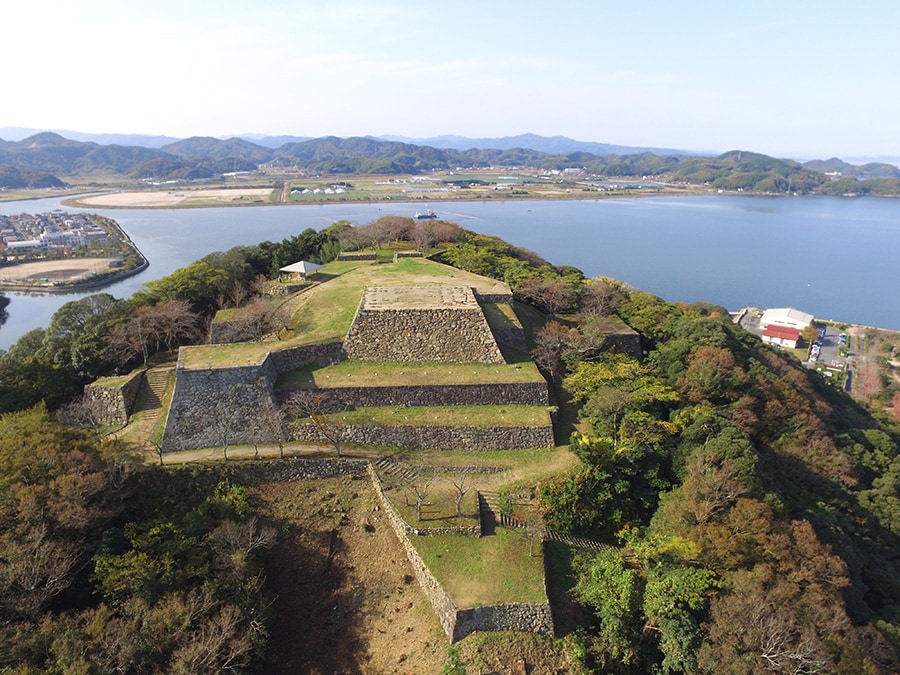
(428, 214)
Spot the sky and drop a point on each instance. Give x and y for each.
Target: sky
(797, 79)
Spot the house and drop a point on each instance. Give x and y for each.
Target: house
(787, 317)
(781, 335)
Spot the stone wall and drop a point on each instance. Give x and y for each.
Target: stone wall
(458, 623)
(522, 393)
(627, 342)
(113, 405)
(406, 254)
(218, 406)
(437, 437)
(205, 399)
(438, 334)
(443, 604)
(502, 298)
(285, 360)
(532, 618)
(358, 256)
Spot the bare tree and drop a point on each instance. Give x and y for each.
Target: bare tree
(35, 568)
(87, 412)
(420, 487)
(154, 326)
(242, 537)
(461, 480)
(271, 424)
(323, 409)
(237, 294)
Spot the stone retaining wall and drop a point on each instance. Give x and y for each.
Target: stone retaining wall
(437, 437)
(407, 254)
(113, 405)
(205, 398)
(299, 468)
(285, 360)
(212, 406)
(358, 256)
(439, 334)
(501, 298)
(522, 393)
(532, 618)
(443, 604)
(458, 623)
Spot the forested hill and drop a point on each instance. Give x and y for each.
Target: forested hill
(46, 159)
(750, 510)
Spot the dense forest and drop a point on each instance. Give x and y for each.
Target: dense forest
(750, 510)
(39, 160)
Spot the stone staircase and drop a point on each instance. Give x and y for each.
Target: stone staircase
(388, 466)
(157, 381)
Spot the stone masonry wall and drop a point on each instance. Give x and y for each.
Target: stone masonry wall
(204, 399)
(533, 618)
(437, 437)
(438, 334)
(523, 393)
(458, 623)
(114, 405)
(443, 604)
(212, 406)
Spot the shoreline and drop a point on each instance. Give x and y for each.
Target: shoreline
(76, 201)
(79, 287)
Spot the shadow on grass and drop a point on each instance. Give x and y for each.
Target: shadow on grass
(568, 614)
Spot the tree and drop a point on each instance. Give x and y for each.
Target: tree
(151, 327)
(421, 486)
(461, 481)
(323, 409)
(613, 590)
(74, 338)
(552, 295)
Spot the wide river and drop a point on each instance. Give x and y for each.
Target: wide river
(836, 258)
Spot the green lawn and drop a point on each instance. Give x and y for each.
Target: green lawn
(324, 311)
(487, 570)
(368, 374)
(451, 415)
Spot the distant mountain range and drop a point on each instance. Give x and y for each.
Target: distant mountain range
(548, 144)
(554, 145)
(47, 159)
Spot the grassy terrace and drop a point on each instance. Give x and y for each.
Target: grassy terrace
(371, 374)
(453, 415)
(486, 570)
(324, 311)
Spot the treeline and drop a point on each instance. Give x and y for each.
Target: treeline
(752, 509)
(108, 565)
(35, 160)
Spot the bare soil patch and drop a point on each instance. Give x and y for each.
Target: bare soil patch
(69, 269)
(173, 198)
(347, 601)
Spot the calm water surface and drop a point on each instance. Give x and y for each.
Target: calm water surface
(835, 258)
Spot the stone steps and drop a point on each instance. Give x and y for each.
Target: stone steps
(157, 380)
(390, 467)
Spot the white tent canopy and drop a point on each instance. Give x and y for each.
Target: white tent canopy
(303, 267)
